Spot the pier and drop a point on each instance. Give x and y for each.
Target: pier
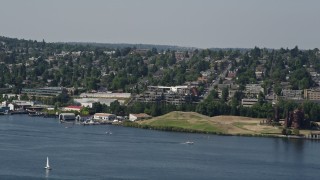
(313, 135)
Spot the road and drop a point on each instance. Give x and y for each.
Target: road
(216, 81)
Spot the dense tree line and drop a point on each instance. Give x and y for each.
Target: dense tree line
(282, 65)
(27, 63)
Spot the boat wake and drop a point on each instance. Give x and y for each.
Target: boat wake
(188, 142)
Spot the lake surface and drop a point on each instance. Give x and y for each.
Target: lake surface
(89, 152)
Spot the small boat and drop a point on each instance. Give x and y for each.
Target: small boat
(189, 142)
(47, 167)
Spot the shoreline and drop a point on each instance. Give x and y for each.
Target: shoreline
(186, 130)
(183, 130)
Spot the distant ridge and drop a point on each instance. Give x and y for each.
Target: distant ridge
(124, 45)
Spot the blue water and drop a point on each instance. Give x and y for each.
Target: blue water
(88, 152)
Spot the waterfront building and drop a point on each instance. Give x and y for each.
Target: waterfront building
(67, 117)
(16, 104)
(104, 116)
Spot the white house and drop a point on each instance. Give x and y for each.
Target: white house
(104, 116)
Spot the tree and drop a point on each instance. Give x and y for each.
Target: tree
(24, 97)
(261, 98)
(97, 107)
(172, 60)
(155, 110)
(84, 111)
(225, 95)
(117, 53)
(117, 109)
(213, 95)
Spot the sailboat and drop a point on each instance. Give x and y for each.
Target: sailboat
(47, 167)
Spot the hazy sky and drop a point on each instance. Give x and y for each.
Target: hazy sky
(197, 23)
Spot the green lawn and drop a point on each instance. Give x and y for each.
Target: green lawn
(185, 121)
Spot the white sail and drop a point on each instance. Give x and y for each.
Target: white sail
(47, 165)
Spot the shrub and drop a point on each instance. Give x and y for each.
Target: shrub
(296, 132)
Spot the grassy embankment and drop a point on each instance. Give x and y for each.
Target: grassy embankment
(197, 123)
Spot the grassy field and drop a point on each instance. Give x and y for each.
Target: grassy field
(185, 120)
(233, 125)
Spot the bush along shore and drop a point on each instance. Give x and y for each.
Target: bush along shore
(164, 128)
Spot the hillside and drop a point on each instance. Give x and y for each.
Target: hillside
(233, 125)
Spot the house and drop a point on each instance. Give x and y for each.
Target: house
(179, 55)
(72, 108)
(231, 75)
(260, 71)
(203, 79)
(136, 117)
(104, 116)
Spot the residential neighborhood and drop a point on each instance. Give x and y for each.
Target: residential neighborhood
(132, 80)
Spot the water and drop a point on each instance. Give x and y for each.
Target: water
(89, 152)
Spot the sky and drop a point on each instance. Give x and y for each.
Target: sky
(190, 23)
